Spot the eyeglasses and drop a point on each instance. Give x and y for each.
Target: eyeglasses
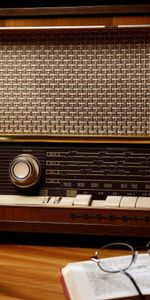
(119, 265)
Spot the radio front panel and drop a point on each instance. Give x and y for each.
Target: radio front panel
(68, 169)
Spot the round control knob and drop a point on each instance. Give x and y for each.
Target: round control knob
(24, 170)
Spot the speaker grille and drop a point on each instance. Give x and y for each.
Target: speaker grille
(75, 82)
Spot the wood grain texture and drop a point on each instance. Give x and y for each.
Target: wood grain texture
(76, 21)
(31, 272)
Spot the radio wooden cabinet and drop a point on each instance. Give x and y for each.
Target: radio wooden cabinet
(75, 120)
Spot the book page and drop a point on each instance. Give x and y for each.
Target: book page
(91, 283)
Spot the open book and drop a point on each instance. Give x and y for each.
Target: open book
(85, 281)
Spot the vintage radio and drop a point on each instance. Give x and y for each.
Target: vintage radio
(75, 130)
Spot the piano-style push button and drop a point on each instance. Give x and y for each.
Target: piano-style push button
(128, 202)
(143, 202)
(66, 201)
(22, 200)
(113, 201)
(82, 200)
(98, 203)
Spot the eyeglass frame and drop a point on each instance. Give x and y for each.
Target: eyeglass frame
(98, 261)
(122, 270)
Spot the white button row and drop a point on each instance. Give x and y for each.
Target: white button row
(123, 202)
(80, 200)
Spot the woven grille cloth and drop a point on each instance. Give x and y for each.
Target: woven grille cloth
(75, 82)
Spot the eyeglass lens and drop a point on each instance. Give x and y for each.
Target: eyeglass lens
(118, 263)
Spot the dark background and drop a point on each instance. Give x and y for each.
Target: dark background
(56, 3)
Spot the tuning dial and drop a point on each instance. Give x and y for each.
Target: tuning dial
(24, 170)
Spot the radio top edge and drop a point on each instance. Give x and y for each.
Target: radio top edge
(110, 139)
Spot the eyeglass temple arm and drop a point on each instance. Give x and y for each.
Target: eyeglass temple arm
(134, 283)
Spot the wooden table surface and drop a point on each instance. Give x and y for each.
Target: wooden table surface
(31, 270)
